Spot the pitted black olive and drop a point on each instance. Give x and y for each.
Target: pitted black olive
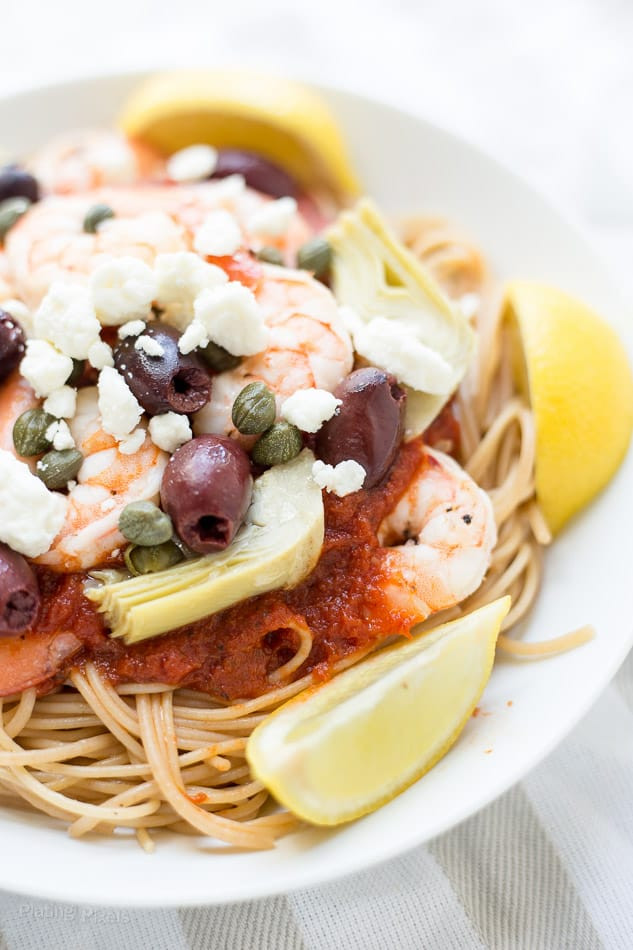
(259, 173)
(12, 344)
(16, 182)
(368, 426)
(168, 382)
(19, 593)
(206, 490)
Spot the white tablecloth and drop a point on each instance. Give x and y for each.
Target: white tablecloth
(548, 88)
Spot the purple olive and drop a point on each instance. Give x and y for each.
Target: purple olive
(12, 344)
(16, 182)
(168, 382)
(19, 593)
(368, 426)
(206, 490)
(260, 174)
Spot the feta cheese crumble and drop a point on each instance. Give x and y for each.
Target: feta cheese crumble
(395, 348)
(123, 289)
(149, 345)
(100, 355)
(44, 367)
(169, 431)
(119, 409)
(180, 277)
(132, 443)
(308, 409)
(194, 163)
(342, 479)
(218, 235)
(195, 335)
(131, 328)
(273, 218)
(66, 317)
(62, 402)
(231, 317)
(32, 516)
(59, 434)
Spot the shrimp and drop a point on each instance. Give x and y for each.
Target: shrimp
(16, 397)
(87, 159)
(49, 243)
(437, 541)
(308, 347)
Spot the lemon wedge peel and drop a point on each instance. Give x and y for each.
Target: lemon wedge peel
(282, 120)
(579, 383)
(376, 276)
(341, 750)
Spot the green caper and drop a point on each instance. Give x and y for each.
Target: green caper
(254, 409)
(29, 432)
(95, 215)
(270, 255)
(143, 523)
(76, 373)
(315, 255)
(57, 468)
(146, 560)
(11, 210)
(217, 358)
(278, 444)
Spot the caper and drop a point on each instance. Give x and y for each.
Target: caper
(95, 215)
(11, 211)
(76, 373)
(29, 432)
(315, 255)
(278, 444)
(217, 358)
(143, 523)
(149, 560)
(270, 255)
(57, 468)
(254, 409)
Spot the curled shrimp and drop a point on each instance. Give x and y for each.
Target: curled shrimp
(437, 540)
(308, 347)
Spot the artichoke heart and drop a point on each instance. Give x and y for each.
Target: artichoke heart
(278, 545)
(400, 320)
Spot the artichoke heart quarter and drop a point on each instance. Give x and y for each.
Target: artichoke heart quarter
(278, 545)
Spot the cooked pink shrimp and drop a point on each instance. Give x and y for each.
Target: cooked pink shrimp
(107, 481)
(438, 539)
(308, 347)
(49, 243)
(89, 158)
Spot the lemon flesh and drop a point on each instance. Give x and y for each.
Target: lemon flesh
(281, 120)
(343, 749)
(581, 391)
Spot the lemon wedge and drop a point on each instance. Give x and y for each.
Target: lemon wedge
(341, 750)
(580, 387)
(282, 120)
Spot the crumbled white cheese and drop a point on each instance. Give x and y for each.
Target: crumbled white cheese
(194, 163)
(395, 348)
(218, 235)
(232, 318)
(62, 402)
(44, 367)
(342, 479)
(273, 218)
(308, 409)
(20, 312)
(195, 335)
(100, 355)
(229, 188)
(119, 409)
(131, 328)
(132, 443)
(59, 434)
(149, 345)
(123, 289)
(32, 515)
(169, 431)
(180, 277)
(66, 317)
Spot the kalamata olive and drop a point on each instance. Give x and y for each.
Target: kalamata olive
(170, 382)
(16, 182)
(19, 593)
(259, 172)
(12, 344)
(368, 426)
(206, 490)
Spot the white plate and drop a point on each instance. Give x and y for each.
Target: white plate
(408, 165)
